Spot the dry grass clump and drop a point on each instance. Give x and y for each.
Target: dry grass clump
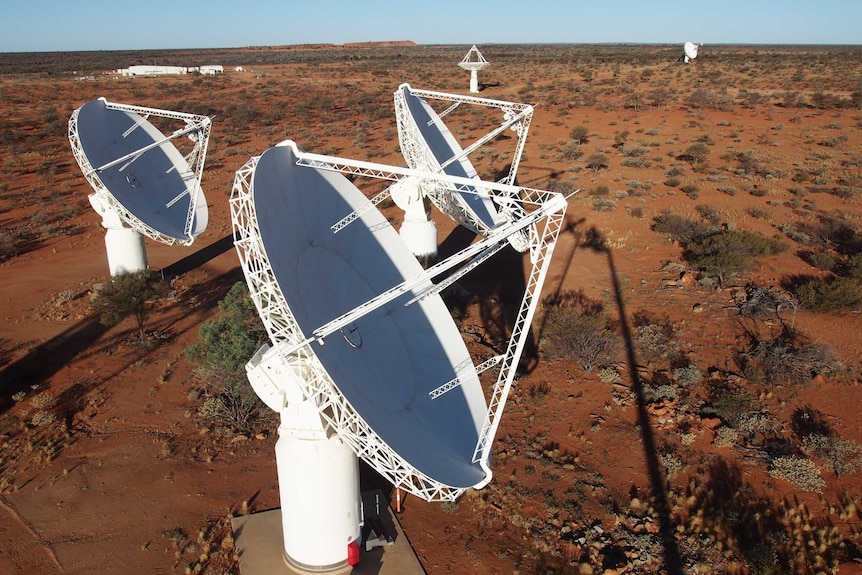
(44, 401)
(800, 471)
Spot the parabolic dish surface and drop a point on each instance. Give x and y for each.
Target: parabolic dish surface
(387, 362)
(146, 186)
(690, 49)
(443, 146)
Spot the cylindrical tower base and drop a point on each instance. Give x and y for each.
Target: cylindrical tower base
(474, 81)
(320, 502)
(126, 251)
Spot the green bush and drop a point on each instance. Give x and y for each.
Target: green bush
(128, 294)
(679, 228)
(829, 294)
(578, 134)
(226, 344)
(571, 151)
(729, 253)
(821, 260)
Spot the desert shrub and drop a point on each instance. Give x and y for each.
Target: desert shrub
(844, 456)
(600, 190)
(829, 294)
(725, 436)
(609, 374)
(764, 304)
(709, 213)
(800, 471)
(846, 192)
(576, 329)
(578, 134)
(41, 418)
(854, 266)
(571, 151)
(635, 163)
(687, 376)
(44, 401)
(729, 253)
(603, 204)
(540, 390)
(836, 232)
(672, 182)
(788, 358)
(678, 228)
(695, 153)
(656, 394)
(758, 213)
(691, 191)
(129, 294)
(226, 344)
(821, 260)
(596, 162)
(655, 337)
(8, 249)
(730, 404)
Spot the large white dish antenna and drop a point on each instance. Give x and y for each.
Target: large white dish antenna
(428, 145)
(473, 62)
(372, 378)
(365, 356)
(690, 50)
(137, 173)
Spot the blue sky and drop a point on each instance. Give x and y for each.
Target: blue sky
(63, 25)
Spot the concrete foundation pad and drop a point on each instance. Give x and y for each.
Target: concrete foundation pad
(259, 548)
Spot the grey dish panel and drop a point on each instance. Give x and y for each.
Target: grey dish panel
(443, 147)
(148, 184)
(388, 361)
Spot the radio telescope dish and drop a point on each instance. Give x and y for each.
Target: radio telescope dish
(142, 184)
(365, 359)
(474, 61)
(690, 51)
(428, 145)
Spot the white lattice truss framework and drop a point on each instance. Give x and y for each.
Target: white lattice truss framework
(419, 156)
(196, 127)
(544, 214)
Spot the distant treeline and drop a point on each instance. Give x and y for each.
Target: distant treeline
(405, 52)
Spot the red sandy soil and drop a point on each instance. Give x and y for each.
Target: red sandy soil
(128, 463)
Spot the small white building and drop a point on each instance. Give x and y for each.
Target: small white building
(152, 70)
(212, 69)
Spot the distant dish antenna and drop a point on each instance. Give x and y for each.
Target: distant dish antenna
(142, 184)
(365, 359)
(474, 61)
(690, 51)
(429, 146)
